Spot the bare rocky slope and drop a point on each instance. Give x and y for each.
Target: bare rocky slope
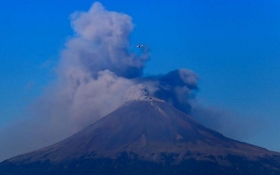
(146, 137)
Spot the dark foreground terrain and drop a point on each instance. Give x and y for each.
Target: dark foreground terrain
(129, 164)
(146, 137)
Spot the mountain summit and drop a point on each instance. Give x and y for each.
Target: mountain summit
(146, 136)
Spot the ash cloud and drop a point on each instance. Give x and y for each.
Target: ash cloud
(97, 68)
(176, 87)
(97, 72)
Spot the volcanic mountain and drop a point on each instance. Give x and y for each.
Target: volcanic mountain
(146, 136)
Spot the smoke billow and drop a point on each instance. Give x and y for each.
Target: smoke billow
(96, 74)
(176, 87)
(95, 70)
(97, 67)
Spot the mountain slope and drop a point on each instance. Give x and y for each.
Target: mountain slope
(146, 137)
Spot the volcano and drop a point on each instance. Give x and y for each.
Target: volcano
(146, 136)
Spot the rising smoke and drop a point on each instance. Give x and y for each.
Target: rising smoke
(96, 74)
(97, 68)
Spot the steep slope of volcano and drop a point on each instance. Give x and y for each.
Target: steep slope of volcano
(146, 137)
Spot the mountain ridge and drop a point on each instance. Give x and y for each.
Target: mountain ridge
(150, 131)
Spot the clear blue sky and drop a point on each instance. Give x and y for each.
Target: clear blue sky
(234, 47)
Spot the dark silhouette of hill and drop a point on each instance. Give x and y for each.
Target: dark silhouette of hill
(146, 137)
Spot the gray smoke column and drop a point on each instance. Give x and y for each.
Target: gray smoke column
(101, 43)
(176, 87)
(96, 74)
(96, 70)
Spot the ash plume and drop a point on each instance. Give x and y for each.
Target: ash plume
(97, 72)
(97, 68)
(176, 87)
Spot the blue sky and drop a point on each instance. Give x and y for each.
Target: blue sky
(234, 47)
